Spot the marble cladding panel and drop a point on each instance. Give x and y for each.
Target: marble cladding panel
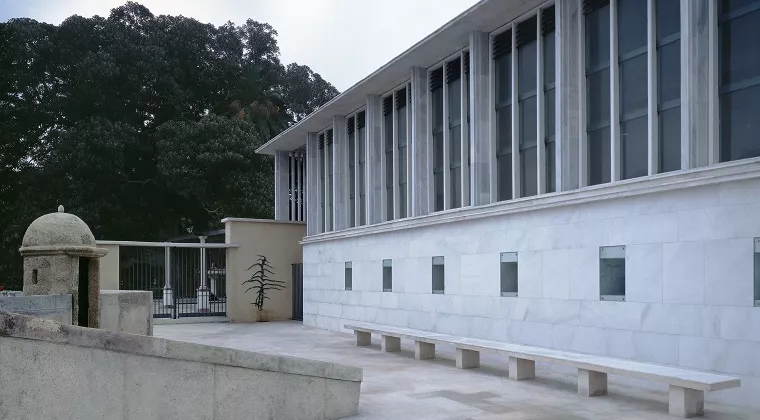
(689, 279)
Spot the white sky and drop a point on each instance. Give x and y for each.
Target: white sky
(342, 40)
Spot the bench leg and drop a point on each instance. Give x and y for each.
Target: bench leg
(591, 384)
(520, 369)
(390, 344)
(363, 338)
(686, 402)
(423, 351)
(468, 359)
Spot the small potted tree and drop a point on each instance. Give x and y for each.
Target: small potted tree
(261, 284)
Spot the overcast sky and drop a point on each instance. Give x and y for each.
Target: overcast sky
(343, 40)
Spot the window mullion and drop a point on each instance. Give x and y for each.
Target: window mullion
(652, 114)
(515, 118)
(540, 120)
(492, 162)
(615, 163)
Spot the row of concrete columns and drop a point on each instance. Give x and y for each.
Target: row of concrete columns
(290, 173)
(698, 122)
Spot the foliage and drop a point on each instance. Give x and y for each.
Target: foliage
(261, 283)
(143, 125)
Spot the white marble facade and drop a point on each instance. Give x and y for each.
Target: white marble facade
(689, 273)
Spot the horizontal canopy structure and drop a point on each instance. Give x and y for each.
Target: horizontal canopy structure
(486, 16)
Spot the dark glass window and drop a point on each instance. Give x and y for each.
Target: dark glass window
(548, 34)
(401, 116)
(668, 27)
(527, 49)
(351, 128)
(597, 30)
(322, 180)
(388, 142)
(436, 95)
(739, 84)
(361, 140)
(438, 275)
(632, 59)
(348, 276)
(454, 93)
(508, 272)
(503, 70)
(387, 276)
(612, 272)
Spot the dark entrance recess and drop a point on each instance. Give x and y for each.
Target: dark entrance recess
(84, 292)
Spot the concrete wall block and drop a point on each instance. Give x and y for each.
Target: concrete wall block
(734, 357)
(644, 273)
(530, 333)
(732, 323)
(728, 267)
(425, 321)
(734, 221)
(683, 272)
(578, 338)
(644, 229)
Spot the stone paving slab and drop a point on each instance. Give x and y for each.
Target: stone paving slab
(397, 386)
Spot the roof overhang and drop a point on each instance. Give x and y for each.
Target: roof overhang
(485, 16)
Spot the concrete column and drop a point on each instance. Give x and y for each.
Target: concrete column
(424, 351)
(374, 159)
(468, 359)
(204, 295)
(363, 338)
(292, 195)
(685, 402)
(591, 384)
(340, 172)
(390, 344)
(168, 291)
(570, 106)
(421, 152)
(698, 86)
(281, 194)
(520, 369)
(314, 222)
(480, 122)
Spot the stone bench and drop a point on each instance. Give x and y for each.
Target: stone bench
(687, 387)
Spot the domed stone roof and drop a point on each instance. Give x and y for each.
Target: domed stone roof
(57, 233)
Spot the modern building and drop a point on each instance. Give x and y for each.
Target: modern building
(575, 174)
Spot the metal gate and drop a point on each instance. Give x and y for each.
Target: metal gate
(187, 293)
(298, 292)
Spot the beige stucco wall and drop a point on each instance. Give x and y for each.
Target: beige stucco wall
(279, 242)
(109, 268)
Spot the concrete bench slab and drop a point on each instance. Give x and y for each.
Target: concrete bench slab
(687, 386)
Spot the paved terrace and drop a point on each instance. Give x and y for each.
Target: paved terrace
(396, 386)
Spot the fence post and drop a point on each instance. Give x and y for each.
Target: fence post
(168, 292)
(203, 291)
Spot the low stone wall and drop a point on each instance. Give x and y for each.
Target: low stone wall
(126, 311)
(55, 307)
(85, 373)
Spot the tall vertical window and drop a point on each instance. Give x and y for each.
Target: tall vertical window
(454, 97)
(527, 100)
(597, 52)
(401, 139)
(361, 139)
(322, 182)
(388, 143)
(348, 278)
(466, 138)
(351, 131)
(739, 78)
(550, 100)
(436, 101)
(632, 59)
(668, 35)
(387, 276)
(329, 168)
(438, 275)
(502, 56)
(612, 272)
(508, 272)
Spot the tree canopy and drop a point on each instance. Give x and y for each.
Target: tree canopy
(143, 125)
